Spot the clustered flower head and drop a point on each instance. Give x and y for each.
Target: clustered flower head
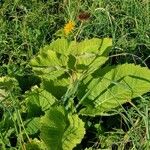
(83, 16)
(69, 27)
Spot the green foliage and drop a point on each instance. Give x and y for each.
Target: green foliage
(99, 90)
(60, 130)
(8, 83)
(2, 145)
(35, 145)
(126, 21)
(32, 125)
(118, 85)
(62, 62)
(25, 27)
(38, 100)
(69, 71)
(75, 85)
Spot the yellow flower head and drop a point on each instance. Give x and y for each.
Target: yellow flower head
(69, 27)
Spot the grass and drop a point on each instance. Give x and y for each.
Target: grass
(27, 26)
(127, 22)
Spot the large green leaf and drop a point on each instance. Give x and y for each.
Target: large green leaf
(60, 46)
(86, 46)
(89, 61)
(89, 53)
(38, 101)
(48, 62)
(60, 53)
(63, 61)
(51, 56)
(74, 133)
(61, 131)
(94, 45)
(46, 58)
(57, 87)
(107, 90)
(50, 73)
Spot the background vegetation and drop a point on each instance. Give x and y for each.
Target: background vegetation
(26, 26)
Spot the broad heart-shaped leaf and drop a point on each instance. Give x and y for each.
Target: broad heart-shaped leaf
(60, 46)
(90, 64)
(64, 55)
(61, 131)
(50, 73)
(57, 87)
(46, 57)
(38, 101)
(74, 133)
(108, 90)
(94, 45)
(53, 55)
(89, 52)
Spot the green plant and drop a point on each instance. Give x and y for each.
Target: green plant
(77, 95)
(72, 70)
(76, 81)
(25, 27)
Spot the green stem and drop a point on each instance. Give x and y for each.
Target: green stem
(15, 105)
(78, 32)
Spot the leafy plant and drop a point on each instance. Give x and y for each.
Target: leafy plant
(72, 70)
(61, 63)
(76, 81)
(74, 98)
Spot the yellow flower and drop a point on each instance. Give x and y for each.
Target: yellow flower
(69, 27)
